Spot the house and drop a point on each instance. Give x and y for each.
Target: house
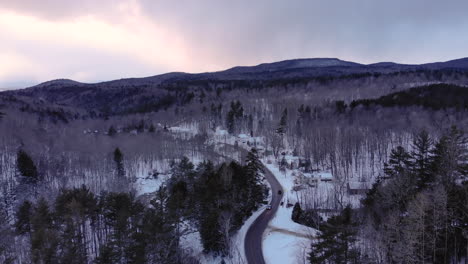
(358, 188)
(324, 176)
(306, 179)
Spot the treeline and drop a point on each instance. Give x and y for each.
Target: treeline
(79, 226)
(436, 97)
(217, 200)
(415, 213)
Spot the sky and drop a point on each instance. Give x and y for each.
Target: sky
(91, 41)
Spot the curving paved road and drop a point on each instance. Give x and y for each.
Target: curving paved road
(254, 236)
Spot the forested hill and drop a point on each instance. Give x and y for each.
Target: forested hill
(139, 170)
(335, 79)
(436, 97)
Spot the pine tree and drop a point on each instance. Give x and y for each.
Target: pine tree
(44, 239)
(151, 129)
(335, 241)
(340, 107)
(230, 122)
(296, 213)
(398, 164)
(111, 132)
(422, 145)
(234, 115)
(253, 163)
(283, 123)
(283, 165)
(450, 157)
(253, 169)
(23, 218)
(118, 159)
(183, 170)
(210, 232)
(26, 167)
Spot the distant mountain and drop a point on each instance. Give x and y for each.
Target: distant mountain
(294, 64)
(58, 83)
(455, 64)
(296, 68)
(160, 92)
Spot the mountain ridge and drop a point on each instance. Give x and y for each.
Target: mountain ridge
(285, 68)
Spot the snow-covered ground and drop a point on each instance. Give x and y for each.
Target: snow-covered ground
(191, 243)
(150, 175)
(284, 248)
(150, 184)
(284, 240)
(238, 240)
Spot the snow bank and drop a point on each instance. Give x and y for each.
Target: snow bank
(284, 248)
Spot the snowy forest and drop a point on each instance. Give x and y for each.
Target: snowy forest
(372, 164)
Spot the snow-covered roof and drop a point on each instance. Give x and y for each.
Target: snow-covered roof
(324, 175)
(221, 132)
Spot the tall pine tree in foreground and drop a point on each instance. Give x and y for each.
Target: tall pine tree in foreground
(421, 154)
(253, 169)
(335, 243)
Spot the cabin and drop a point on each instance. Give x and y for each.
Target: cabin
(324, 176)
(358, 188)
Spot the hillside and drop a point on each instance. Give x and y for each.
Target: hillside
(174, 163)
(151, 94)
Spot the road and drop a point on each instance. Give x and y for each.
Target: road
(254, 236)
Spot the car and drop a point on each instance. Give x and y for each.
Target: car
(280, 192)
(268, 207)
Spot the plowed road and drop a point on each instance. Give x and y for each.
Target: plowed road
(254, 236)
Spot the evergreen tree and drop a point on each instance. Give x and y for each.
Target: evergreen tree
(23, 218)
(26, 167)
(73, 209)
(336, 240)
(450, 161)
(253, 164)
(210, 232)
(421, 162)
(44, 239)
(253, 169)
(234, 115)
(250, 125)
(151, 129)
(111, 132)
(399, 163)
(230, 122)
(118, 159)
(283, 164)
(183, 170)
(296, 213)
(340, 107)
(283, 123)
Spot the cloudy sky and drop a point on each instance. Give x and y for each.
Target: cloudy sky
(91, 40)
